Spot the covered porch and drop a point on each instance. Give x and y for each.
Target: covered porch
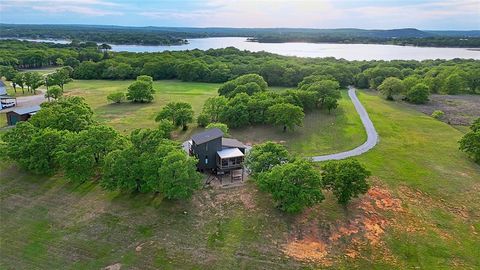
(229, 159)
(230, 166)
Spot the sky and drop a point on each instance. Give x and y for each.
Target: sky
(367, 14)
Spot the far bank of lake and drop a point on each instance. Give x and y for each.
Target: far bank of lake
(302, 49)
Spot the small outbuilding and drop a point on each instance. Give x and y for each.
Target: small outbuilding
(21, 114)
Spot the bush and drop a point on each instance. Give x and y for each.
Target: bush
(223, 127)
(203, 120)
(437, 114)
(418, 94)
(141, 90)
(54, 92)
(118, 97)
(470, 143)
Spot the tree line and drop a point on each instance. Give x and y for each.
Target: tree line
(63, 137)
(177, 35)
(222, 65)
(245, 101)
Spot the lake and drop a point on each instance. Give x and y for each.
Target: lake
(302, 49)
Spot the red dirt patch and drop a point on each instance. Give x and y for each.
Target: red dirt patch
(364, 225)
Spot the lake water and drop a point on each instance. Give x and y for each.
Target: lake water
(302, 49)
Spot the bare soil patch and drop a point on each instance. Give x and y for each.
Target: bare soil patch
(458, 109)
(363, 226)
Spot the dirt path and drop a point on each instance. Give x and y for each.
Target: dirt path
(372, 135)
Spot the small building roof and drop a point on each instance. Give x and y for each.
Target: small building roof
(6, 96)
(3, 88)
(230, 153)
(27, 110)
(207, 135)
(227, 142)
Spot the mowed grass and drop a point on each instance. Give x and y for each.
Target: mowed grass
(418, 158)
(322, 133)
(128, 116)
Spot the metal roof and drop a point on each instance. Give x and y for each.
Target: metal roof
(230, 153)
(27, 110)
(227, 142)
(207, 135)
(3, 88)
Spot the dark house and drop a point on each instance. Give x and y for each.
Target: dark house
(204, 146)
(215, 153)
(21, 114)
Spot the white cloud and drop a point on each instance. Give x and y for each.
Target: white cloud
(260, 13)
(266, 13)
(319, 14)
(82, 7)
(76, 9)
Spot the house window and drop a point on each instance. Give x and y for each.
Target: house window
(206, 159)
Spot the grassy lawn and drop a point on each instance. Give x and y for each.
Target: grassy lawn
(127, 116)
(322, 133)
(418, 159)
(423, 212)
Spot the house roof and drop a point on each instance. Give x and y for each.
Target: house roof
(27, 110)
(207, 135)
(226, 142)
(230, 153)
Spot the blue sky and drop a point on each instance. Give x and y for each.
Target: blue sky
(369, 14)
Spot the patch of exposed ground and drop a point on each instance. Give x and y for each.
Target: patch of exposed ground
(458, 109)
(116, 266)
(364, 225)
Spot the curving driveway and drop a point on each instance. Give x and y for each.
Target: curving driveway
(372, 135)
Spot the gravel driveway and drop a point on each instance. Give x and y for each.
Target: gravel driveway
(372, 136)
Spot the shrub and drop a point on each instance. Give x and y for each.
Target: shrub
(437, 114)
(470, 143)
(223, 127)
(203, 120)
(118, 97)
(418, 94)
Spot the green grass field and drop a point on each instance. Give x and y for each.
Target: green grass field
(423, 212)
(322, 133)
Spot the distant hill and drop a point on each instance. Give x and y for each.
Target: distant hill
(471, 33)
(152, 35)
